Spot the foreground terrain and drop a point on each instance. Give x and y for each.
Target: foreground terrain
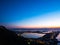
(8, 37)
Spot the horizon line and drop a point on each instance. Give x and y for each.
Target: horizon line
(32, 27)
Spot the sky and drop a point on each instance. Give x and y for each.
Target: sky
(30, 13)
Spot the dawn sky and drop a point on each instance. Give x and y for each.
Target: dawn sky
(30, 13)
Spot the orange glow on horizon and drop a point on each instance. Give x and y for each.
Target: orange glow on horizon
(37, 26)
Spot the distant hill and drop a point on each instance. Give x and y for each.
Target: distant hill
(7, 37)
(17, 30)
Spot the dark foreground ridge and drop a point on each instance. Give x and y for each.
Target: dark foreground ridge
(8, 37)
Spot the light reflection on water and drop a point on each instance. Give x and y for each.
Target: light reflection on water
(32, 35)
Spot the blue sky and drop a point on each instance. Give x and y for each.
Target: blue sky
(25, 13)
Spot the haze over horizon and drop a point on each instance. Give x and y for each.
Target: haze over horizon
(30, 13)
